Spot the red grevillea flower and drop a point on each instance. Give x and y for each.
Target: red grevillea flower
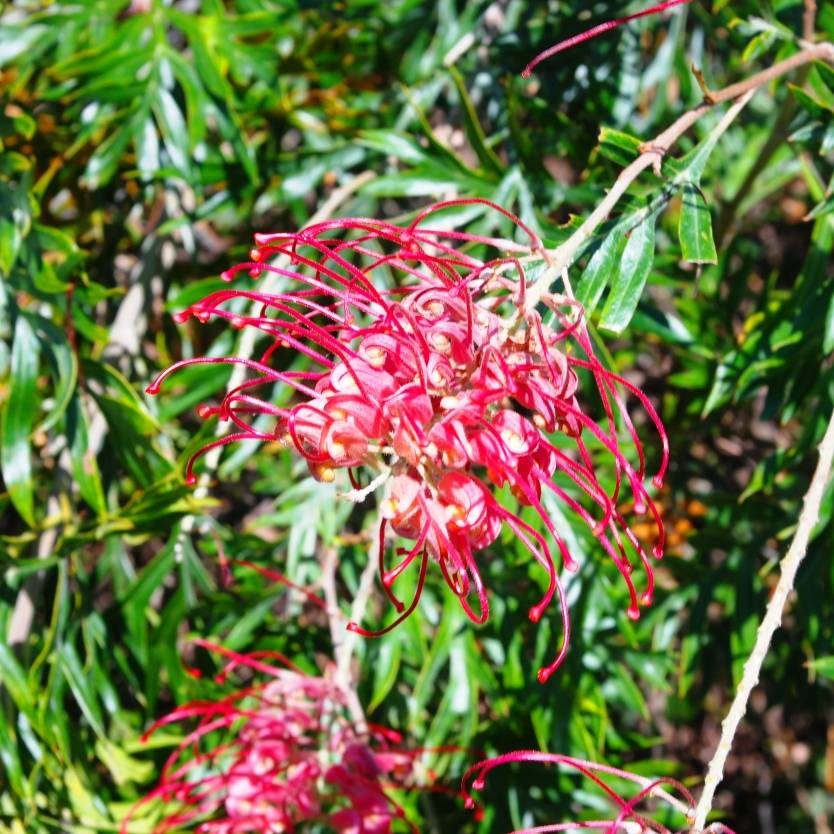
(429, 371)
(627, 792)
(593, 32)
(268, 757)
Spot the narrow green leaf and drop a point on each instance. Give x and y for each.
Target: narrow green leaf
(82, 460)
(812, 103)
(104, 162)
(387, 669)
(823, 666)
(13, 679)
(63, 365)
(632, 273)
(825, 207)
(15, 221)
(695, 227)
(474, 131)
(10, 762)
(174, 131)
(394, 143)
(617, 146)
(828, 333)
(600, 269)
(81, 686)
(18, 414)
(146, 142)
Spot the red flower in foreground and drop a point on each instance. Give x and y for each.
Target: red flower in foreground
(627, 792)
(428, 370)
(268, 757)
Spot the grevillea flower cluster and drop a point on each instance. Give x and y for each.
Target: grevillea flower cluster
(627, 792)
(417, 365)
(273, 755)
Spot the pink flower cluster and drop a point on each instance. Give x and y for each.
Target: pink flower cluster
(423, 365)
(266, 758)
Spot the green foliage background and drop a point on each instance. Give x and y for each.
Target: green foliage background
(142, 146)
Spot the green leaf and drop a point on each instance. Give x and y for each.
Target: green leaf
(394, 143)
(146, 142)
(81, 686)
(825, 207)
(15, 221)
(600, 269)
(63, 364)
(104, 162)
(632, 273)
(174, 131)
(474, 132)
(82, 460)
(18, 415)
(14, 681)
(819, 106)
(695, 227)
(617, 146)
(828, 333)
(823, 666)
(387, 669)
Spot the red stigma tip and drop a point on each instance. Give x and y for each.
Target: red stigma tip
(646, 598)
(204, 411)
(152, 389)
(191, 479)
(658, 481)
(633, 612)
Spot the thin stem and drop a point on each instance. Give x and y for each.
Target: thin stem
(772, 620)
(652, 153)
(344, 641)
(809, 18)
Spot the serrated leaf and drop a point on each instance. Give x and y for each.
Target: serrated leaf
(632, 273)
(695, 227)
(18, 414)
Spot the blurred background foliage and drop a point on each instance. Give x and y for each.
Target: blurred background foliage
(144, 143)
